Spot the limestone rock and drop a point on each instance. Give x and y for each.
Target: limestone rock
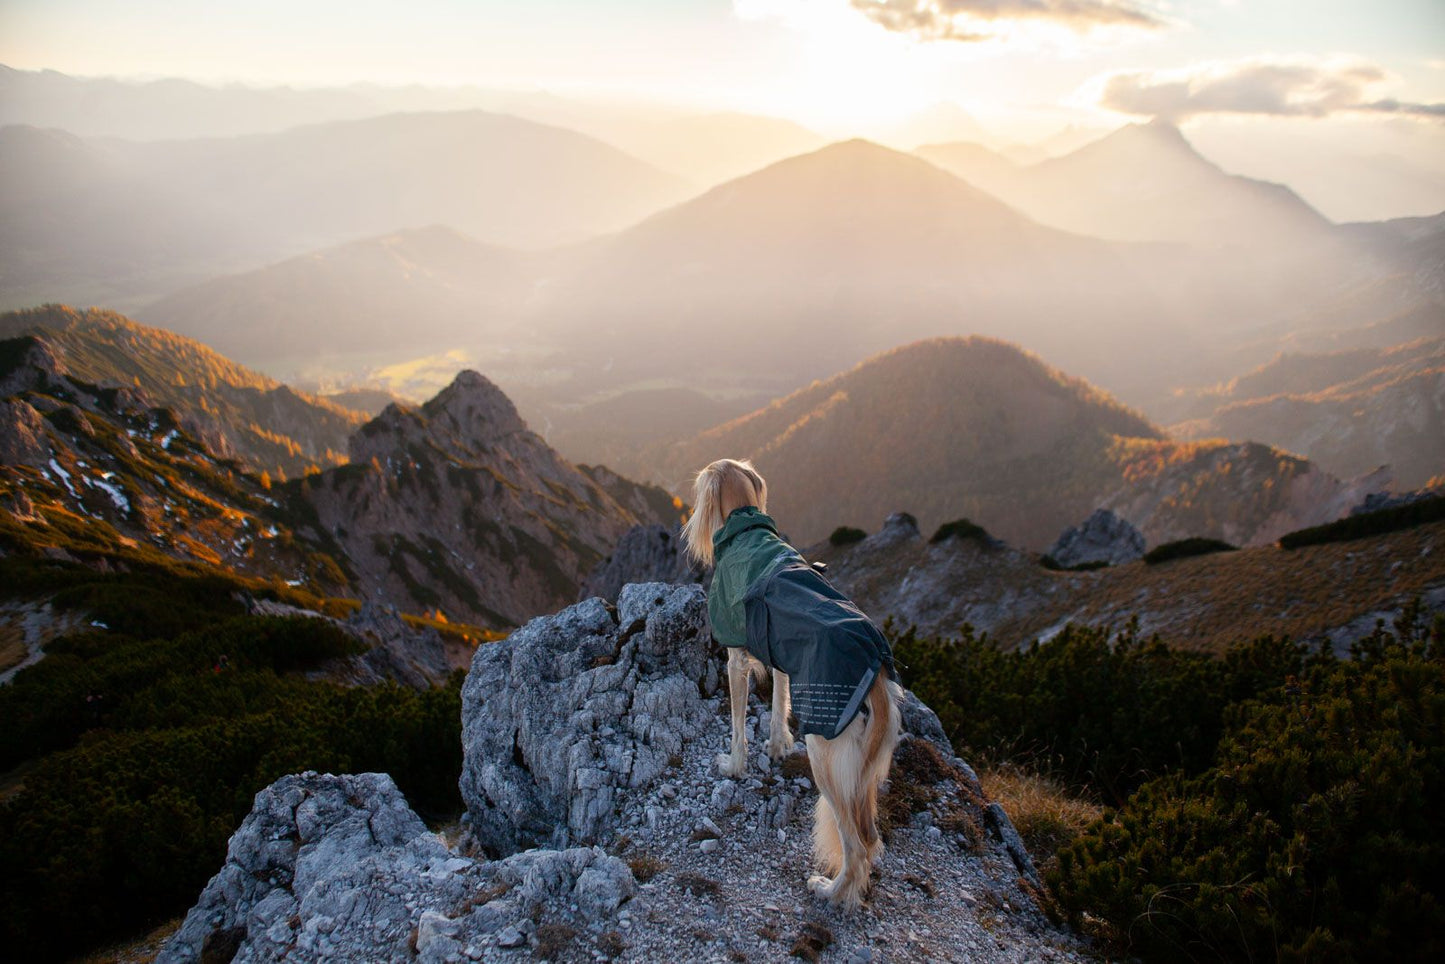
(339, 868)
(1102, 537)
(412, 657)
(574, 707)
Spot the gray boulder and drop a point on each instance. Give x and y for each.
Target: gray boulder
(575, 707)
(339, 868)
(1102, 538)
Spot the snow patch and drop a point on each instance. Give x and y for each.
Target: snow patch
(64, 477)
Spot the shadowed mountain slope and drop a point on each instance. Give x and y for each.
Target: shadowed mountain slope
(948, 428)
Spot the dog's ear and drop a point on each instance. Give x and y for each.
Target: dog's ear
(706, 515)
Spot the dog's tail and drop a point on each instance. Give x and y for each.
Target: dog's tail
(849, 770)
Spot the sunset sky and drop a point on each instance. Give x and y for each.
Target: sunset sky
(828, 63)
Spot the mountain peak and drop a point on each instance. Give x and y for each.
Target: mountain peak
(477, 407)
(469, 414)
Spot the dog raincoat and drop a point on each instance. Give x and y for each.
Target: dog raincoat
(767, 598)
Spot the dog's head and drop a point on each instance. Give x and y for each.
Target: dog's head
(723, 486)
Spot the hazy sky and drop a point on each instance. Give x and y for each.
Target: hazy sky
(1029, 64)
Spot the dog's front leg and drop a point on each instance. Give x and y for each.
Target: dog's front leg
(734, 764)
(780, 737)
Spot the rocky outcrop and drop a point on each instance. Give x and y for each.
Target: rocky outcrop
(589, 735)
(895, 573)
(1101, 538)
(457, 506)
(610, 695)
(339, 868)
(29, 365)
(409, 656)
(647, 553)
(22, 435)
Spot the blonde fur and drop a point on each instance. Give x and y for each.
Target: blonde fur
(849, 768)
(722, 487)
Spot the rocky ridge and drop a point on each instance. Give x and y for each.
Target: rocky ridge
(235, 411)
(648, 553)
(588, 738)
(1314, 593)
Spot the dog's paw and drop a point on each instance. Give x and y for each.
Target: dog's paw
(780, 748)
(729, 766)
(820, 886)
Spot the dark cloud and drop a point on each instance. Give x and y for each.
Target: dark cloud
(1297, 89)
(961, 19)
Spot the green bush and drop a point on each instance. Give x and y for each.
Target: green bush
(846, 536)
(1431, 509)
(962, 529)
(1108, 712)
(1183, 548)
(141, 755)
(1315, 836)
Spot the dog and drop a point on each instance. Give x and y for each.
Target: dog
(829, 662)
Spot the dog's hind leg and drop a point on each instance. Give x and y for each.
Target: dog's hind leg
(839, 847)
(780, 736)
(827, 845)
(734, 764)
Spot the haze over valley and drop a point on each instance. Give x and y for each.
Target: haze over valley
(357, 362)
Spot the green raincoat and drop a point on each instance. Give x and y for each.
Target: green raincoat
(767, 598)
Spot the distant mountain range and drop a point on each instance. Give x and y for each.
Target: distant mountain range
(113, 221)
(1144, 182)
(439, 286)
(827, 258)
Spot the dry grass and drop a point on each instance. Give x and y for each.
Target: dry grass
(645, 867)
(1045, 814)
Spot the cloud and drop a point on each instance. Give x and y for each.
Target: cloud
(1280, 87)
(970, 20)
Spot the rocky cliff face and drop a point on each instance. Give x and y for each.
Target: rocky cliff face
(457, 506)
(1245, 493)
(589, 737)
(1101, 539)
